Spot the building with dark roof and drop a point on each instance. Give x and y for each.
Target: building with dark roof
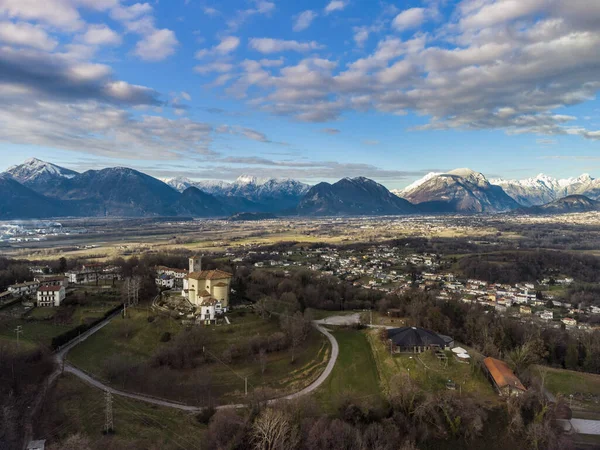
(417, 340)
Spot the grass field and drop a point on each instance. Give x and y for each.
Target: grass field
(584, 386)
(429, 373)
(227, 380)
(74, 407)
(318, 314)
(354, 375)
(40, 325)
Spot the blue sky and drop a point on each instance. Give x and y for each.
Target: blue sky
(314, 90)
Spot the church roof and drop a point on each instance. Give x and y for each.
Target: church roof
(210, 275)
(221, 284)
(204, 293)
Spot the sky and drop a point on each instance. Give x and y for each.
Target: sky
(314, 90)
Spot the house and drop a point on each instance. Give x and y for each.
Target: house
(569, 322)
(503, 378)
(50, 295)
(417, 340)
(165, 280)
(54, 280)
(547, 315)
(525, 309)
(21, 289)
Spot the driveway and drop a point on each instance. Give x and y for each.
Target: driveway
(351, 319)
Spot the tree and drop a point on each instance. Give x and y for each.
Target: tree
(273, 431)
(296, 327)
(62, 264)
(572, 357)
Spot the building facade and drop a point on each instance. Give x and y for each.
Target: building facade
(51, 295)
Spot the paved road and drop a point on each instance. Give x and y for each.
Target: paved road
(347, 320)
(335, 350)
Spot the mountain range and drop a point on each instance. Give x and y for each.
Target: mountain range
(37, 189)
(267, 194)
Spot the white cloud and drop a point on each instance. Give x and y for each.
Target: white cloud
(101, 35)
(268, 45)
(26, 34)
(214, 67)
(58, 13)
(304, 20)
(227, 45)
(212, 12)
(157, 46)
(335, 5)
(361, 35)
(128, 13)
(409, 19)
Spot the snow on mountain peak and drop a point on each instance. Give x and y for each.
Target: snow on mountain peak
(33, 169)
(249, 179)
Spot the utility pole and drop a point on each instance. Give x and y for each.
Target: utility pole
(108, 422)
(371, 313)
(246, 385)
(18, 330)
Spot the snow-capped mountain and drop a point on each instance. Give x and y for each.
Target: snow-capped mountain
(38, 175)
(275, 193)
(544, 189)
(460, 190)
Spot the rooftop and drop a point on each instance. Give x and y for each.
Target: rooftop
(502, 374)
(210, 275)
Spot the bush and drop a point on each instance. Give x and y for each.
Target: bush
(205, 415)
(165, 337)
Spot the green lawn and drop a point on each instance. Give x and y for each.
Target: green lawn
(355, 372)
(227, 380)
(428, 372)
(567, 382)
(74, 407)
(35, 332)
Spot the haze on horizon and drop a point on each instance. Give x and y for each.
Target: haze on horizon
(314, 91)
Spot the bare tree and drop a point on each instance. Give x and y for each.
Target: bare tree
(297, 328)
(273, 431)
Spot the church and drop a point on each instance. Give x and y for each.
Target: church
(207, 289)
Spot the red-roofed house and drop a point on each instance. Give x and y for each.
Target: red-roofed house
(50, 295)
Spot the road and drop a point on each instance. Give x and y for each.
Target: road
(60, 358)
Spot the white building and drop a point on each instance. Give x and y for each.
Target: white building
(165, 281)
(21, 289)
(50, 295)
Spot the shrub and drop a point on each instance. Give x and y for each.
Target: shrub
(165, 337)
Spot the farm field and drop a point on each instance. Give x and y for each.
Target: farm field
(73, 407)
(137, 341)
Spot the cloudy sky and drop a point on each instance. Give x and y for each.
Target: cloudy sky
(314, 90)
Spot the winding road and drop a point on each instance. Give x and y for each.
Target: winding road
(61, 363)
